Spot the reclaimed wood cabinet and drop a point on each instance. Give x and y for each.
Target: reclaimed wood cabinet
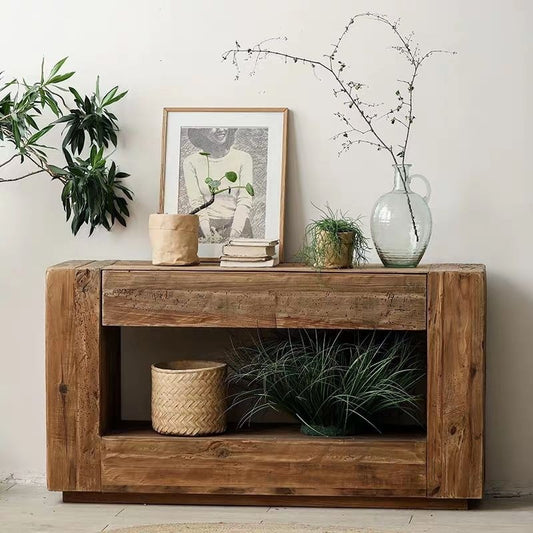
(93, 456)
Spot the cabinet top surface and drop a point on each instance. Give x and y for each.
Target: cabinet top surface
(133, 265)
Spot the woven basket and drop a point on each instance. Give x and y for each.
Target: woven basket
(189, 397)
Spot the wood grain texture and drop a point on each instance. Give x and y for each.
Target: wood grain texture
(73, 348)
(268, 500)
(298, 267)
(278, 465)
(264, 299)
(61, 377)
(163, 164)
(281, 461)
(456, 382)
(88, 346)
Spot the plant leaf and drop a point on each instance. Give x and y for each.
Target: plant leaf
(57, 170)
(114, 99)
(231, 176)
(61, 77)
(36, 136)
(57, 66)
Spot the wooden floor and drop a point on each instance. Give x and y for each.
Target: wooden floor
(30, 508)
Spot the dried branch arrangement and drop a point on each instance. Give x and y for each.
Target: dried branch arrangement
(362, 120)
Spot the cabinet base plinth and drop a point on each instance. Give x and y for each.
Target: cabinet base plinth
(277, 501)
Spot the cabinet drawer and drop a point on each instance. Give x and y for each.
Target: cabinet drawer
(265, 300)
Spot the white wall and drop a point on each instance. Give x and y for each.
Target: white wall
(473, 139)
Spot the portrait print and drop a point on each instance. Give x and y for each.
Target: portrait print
(249, 142)
(234, 214)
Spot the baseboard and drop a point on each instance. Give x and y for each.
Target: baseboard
(266, 501)
(500, 489)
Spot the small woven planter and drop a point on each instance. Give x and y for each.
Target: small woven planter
(189, 397)
(336, 253)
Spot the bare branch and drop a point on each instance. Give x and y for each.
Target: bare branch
(41, 167)
(9, 160)
(335, 67)
(6, 180)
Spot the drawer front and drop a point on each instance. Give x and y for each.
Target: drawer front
(267, 300)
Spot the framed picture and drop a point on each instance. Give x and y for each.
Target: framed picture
(251, 143)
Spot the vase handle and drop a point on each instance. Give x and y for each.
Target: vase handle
(428, 186)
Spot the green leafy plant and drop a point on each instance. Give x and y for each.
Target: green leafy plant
(215, 186)
(93, 192)
(324, 238)
(91, 117)
(331, 386)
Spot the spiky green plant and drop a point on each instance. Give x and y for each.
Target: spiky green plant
(323, 238)
(331, 386)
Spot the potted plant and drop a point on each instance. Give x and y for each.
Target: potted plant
(93, 191)
(174, 237)
(331, 386)
(335, 240)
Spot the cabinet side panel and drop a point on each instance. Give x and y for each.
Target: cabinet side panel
(90, 348)
(61, 398)
(456, 382)
(74, 348)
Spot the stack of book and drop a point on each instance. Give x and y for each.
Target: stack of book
(249, 253)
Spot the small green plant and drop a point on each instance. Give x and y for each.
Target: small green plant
(326, 236)
(93, 192)
(215, 185)
(331, 386)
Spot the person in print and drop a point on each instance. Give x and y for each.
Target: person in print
(229, 215)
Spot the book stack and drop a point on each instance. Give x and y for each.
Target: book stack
(249, 253)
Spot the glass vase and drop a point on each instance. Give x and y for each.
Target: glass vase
(401, 221)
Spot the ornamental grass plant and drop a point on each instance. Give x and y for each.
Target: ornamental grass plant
(334, 240)
(332, 386)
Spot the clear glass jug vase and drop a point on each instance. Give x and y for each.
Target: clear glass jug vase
(401, 221)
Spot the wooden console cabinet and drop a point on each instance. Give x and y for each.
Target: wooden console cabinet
(93, 456)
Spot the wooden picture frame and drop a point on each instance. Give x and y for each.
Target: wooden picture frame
(251, 142)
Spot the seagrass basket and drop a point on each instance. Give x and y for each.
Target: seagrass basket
(189, 397)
